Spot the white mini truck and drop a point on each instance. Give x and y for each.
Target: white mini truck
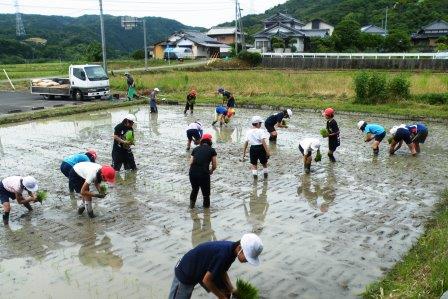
(85, 82)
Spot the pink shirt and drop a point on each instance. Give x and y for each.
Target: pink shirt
(12, 184)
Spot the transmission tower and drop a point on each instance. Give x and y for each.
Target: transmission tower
(20, 30)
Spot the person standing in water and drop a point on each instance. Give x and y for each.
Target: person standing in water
(191, 98)
(373, 132)
(13, 187)
(333, 133)
(276, 120)
(259, 151)
(121, 151)
(153, 100)
(200, 171)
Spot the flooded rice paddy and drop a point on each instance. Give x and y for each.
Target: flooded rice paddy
(326, 235)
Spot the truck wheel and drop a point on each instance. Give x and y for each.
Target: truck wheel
(48, 97)
(77, 95)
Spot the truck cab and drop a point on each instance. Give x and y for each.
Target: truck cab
(88, 81)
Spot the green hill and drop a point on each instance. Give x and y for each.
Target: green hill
(68, 37)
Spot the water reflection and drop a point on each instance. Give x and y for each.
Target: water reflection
(223, 134)
(153, 124)
(318, 197)
(258, 207)
(98, 255)
(201, 232)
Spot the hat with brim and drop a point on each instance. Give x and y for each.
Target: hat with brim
(252, 248)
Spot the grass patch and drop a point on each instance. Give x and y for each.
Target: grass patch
(423, 272)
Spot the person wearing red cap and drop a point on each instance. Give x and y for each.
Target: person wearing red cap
(85, 173)
(200, 171)
(121, 151)
(70, 161)
(333, 133)
(191, 98)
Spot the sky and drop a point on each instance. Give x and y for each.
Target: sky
(204, 13)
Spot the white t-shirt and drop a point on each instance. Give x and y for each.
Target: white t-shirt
(195, 126)
(12, 184)
(310, 144)
(87, 170)
(255, 136)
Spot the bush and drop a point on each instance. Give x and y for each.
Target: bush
(361, 80)
(138, 54)
(253, 59)
(399, 88)
(370, 87)
(433, 98)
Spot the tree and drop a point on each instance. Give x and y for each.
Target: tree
(371, 42)
(397, 41)
(94, 52)
(347, 35)
(320, 45)
(442, 43)
(138, 54)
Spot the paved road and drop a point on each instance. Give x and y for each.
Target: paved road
(25, 101)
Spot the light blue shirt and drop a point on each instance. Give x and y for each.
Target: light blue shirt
(76, 158)
(374, 129)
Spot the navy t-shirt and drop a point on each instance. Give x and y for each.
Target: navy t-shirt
(274, 119)
(120, 130)
(214, 257)
(403, 134)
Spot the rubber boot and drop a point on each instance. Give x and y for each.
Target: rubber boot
(206, 202)
(307, 168)
(28, 206)
(273, 138)
(214, 123)
(192, 203)
(376, 151)
(331, 156)
(91, 214)
(6, 218)
(81, 209)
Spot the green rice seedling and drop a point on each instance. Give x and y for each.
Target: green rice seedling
(284, 123)
(324, 133)
(103, 188)
(318, 157)
(129, 136)
(390, 139)
(245, 290)
(41, 196)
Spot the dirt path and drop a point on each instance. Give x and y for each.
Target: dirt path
(326, 235)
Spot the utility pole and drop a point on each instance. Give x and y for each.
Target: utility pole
(103, 37)
(146, 47)
(385, 22)
(20, 29)
(243, 40)
(236, 27)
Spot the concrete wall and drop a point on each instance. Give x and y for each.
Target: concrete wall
(332, 63)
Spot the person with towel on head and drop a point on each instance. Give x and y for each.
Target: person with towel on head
(22, 189)
(259, 151)
(208, 264)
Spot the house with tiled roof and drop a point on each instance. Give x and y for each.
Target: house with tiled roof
(225, 35)
(429, 34)
(293, 32)
(375, 30)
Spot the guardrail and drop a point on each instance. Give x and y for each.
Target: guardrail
(359, 55)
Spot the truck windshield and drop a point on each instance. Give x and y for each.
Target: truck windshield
(95, 73)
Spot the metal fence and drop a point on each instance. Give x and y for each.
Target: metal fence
(443, 55)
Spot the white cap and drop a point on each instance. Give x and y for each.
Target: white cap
(156, 89)
(30, 183)
(252, 248)
(131, 117)
(289, 111)
(394, 130)
(256, 119)
(360, 124)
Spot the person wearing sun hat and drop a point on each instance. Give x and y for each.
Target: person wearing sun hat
(259, 151)
(13, 187)
(85, 173)
(153, 100)
(208, 264)
(307, 146)
(70, 161)
(121, 151)
(200, 171)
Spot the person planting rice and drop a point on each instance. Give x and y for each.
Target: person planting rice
(131, 86)
(220, 115)
(121, 151)
(373, 132)
(419, 132)
(276, 120)
(153, 100)
(227, 97)
(208, 264)
(194, 133)
(85, 173)
(256, 138)
(307, 146)
(400, 134)
(70, 161)
(14, 187)
(200, 171)
(191, 98)
(332, 133)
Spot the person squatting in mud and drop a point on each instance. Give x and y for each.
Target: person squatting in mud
(14, 187)
(194, 133)
(200, 171)
(373, 132)
(419, 133)
(121, 150)
(208, 264)
(307, 146)
(70, 161)
(400, 134)
(276, 120)
(85, 173)
(191, 99)
(333, 133)
(259, 151)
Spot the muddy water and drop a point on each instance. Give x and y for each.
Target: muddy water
(326, 235)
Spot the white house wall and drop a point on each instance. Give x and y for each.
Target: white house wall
(322, 25)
